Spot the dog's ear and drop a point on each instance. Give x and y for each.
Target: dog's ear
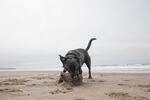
(62, 59)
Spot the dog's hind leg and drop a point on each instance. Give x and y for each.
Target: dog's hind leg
(88, 63)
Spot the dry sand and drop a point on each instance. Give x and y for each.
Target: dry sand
(44, 86)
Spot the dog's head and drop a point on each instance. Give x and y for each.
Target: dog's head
(71, 64)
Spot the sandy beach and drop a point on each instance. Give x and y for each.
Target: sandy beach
(44, 86)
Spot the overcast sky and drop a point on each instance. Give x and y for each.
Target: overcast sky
(52, 27)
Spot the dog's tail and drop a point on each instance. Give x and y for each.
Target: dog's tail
(89, 44)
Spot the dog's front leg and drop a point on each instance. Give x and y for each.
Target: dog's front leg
(77, 74)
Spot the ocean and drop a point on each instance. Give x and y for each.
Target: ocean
(129, 68)
(43, 63)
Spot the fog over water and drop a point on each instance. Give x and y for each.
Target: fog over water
(35, 32)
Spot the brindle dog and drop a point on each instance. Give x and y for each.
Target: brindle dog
(74, 59)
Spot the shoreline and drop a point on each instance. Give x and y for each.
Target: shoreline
(135, 68)
(103, 72)
(95, 72)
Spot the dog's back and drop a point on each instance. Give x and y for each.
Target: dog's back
(82, 54)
